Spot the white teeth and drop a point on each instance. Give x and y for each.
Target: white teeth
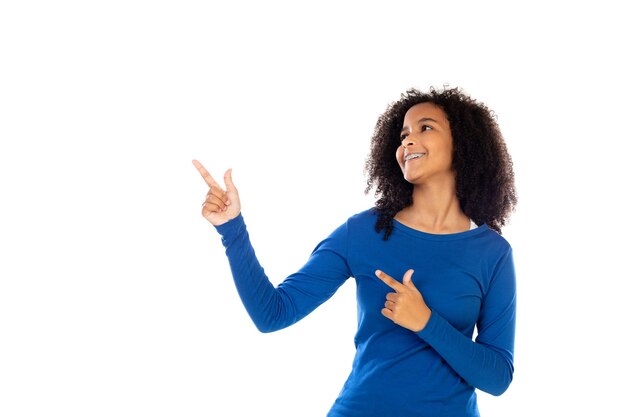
(413, 156)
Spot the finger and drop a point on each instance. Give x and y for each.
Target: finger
(398, 287)
(205, 174)
(387, 313)
(228, 180)
(208, 208)
(211, 199)
(407, 279)
(219, 193)
(393, 296)
(389, 305)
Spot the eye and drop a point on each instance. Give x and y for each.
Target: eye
(402, 136)
(426, 127)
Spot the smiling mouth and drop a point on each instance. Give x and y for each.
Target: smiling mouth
(413, 156)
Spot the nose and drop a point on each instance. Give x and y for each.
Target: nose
(407, 142)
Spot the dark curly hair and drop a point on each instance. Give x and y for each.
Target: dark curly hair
(485, 184)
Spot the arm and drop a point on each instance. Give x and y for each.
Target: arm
(273, 308)
(486, 363)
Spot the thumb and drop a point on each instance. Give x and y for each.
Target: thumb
(228, 180)
(406, 280)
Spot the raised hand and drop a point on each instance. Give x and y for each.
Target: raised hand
(219, 205)
(405, 306)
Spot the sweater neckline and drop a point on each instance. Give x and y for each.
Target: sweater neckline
(433, 236)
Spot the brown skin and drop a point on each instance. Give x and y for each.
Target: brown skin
(405, 306)
(219, 205)
(435, 207)
(426, 130)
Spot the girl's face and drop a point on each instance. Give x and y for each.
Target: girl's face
(425, 145)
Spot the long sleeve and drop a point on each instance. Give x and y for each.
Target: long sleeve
(486, 363)
(273, 308)
(467, 278)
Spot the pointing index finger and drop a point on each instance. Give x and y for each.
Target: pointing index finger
(397, 286)
(205, 174)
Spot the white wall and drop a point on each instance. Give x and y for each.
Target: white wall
(116, 297)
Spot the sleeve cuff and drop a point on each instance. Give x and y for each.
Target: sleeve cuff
(432, 326)
(231, 228)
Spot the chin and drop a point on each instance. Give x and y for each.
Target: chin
(414, 179)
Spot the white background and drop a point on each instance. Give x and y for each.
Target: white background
(116, 297)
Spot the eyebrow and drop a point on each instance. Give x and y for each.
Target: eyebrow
(423, 119)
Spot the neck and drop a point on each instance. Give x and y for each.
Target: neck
(435, 209)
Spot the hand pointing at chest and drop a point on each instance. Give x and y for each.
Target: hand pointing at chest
(405, 306)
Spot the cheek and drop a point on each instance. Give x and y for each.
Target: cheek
(449, 153)
(400, 156)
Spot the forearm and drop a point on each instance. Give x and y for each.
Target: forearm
(485, 367)
(269, 308)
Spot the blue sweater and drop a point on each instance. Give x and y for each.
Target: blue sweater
(467, 279)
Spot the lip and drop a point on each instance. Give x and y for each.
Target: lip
(413, 153)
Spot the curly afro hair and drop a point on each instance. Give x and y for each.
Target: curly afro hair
(485, 184)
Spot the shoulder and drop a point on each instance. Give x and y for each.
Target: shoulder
(357, 225)
(362, 221)
(355, 228)
(495, 240)
(494, 247)
(365, 216)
